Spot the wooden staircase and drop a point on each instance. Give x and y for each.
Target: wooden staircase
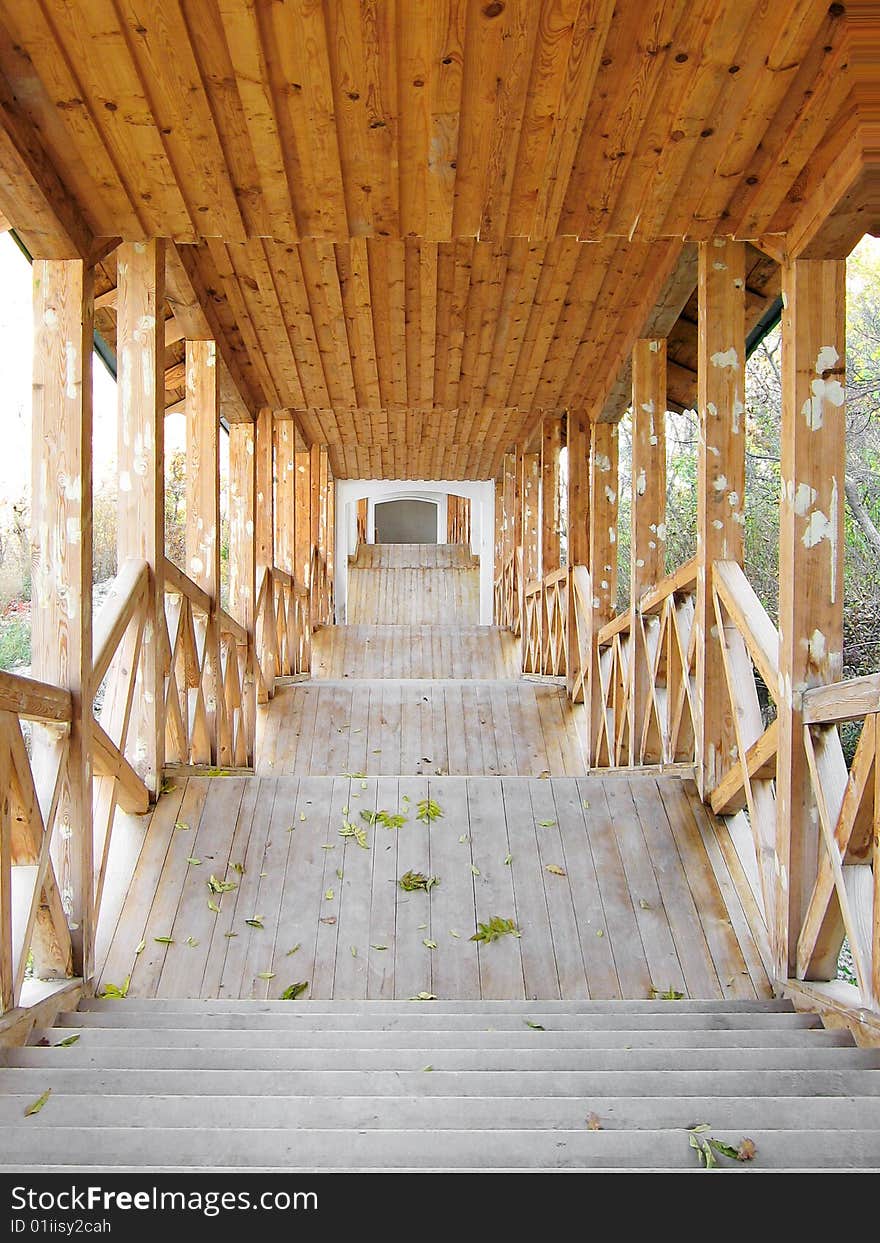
(346, 1085)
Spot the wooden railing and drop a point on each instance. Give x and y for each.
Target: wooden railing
(209, 679)
(283, 637)
(320, 591)
(845, 901)
(545, 625)
(508, 606)
(652, 647)
(32, 857)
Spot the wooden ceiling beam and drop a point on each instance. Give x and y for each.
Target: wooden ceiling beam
(33, 197)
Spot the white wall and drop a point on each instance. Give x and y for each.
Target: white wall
(482, 498)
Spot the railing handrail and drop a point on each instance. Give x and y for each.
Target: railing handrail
(838, 702)
(618, 625)
(680, 580)
(126, 593)
(34, 700)
(751, 619)
(182, 584)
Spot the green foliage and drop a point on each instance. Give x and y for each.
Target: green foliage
(497, 927)
(15, 643)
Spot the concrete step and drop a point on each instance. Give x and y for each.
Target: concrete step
(332, 1149)
(95, 1081)
(228, 1005)
(155, 1056)
(429, 1112)
(424, 1018)
(523, 1037)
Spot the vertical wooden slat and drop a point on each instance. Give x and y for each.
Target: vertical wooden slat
(603, 553)
(578, 517)
(551, 447)
(810, 561)
(721, 481)
(648, 541)
(303, 519)
(61, 566)
(140, 355)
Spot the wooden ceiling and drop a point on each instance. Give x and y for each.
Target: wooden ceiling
(419, 225)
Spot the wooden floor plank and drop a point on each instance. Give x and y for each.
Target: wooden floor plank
(533, 917)
(455, 964)
(355, 888)
(327, 945)
(570, 967)
(425, 651)
(383, 903)
(412, 958)
(501, 970)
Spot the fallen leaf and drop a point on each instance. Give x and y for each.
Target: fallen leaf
(294, 990)
(536, 1027)
(594, 1122)
(410, 881)
(228, 935)
(140, 947)
(239, 867)
(423, 997)
(37, 1105)
(427, 810)
(117, 990)
(164, 940)
(256, 922)
(295, 948)
(671, 994)
(586, 803)
(181, 824)
(555, 869)
(378, 947)
(220, 886)
(747, 1150)
(431, 945)
(497, 927)
(328, 919)
(465, 837)
(329, 895)
(354, 950)
(599, 932)
(302, 815)
(475, 870)
(455, 934)
(547, 824)
(644, 905)
(332, 846)
(193, 862)
(192, 941)
(339, 873)
(212, 906)
(265, 975)
(427, 1068)
(67, 1041)
(508, 860)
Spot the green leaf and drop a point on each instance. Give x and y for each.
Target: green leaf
(428, 944)
(455, 934)
(212, 906)
(345, 810)
(256, 922)
(117, 990)
(475, 870)
(554, 869)
(181, 825)
(354, 950)
(423, 997)
(239, 867)
(37, 1105)
(140, 947)
(536, 1027)
(726, 1150)
(378, 947)
(220, 886)
(265, 975)
(391, 820)
(547, 824)
(332, 846)
(295, 948)
(329, 895)
(465, 837)
(354, 830)
(164, 940)
(166, 787)
(427, 810)
(302, 815)
(193, 862)
(67, 1041)
(411, 881)
(497, 927)
(354, 774)
(229, 935)
(424, 1068)
(339, 873)
(192, 941)
(671, 994)
(294, 990)
(508, 860)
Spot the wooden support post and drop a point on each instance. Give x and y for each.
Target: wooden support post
(810, 562)
(242, 523)
(602, 556)
(61, 561)
(530, 464)
(331, 523)
(578, 441)
(720, 487)
(202, 467)
(264, 521)
(648, 542)
(323, 539)
(551, 447)
(303, 519)
(140, 359)
(284, 436)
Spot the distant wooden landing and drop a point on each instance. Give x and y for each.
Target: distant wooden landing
(415, 556)
(410, 727)
(413, 585)
(645, 900)
(414, 652)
